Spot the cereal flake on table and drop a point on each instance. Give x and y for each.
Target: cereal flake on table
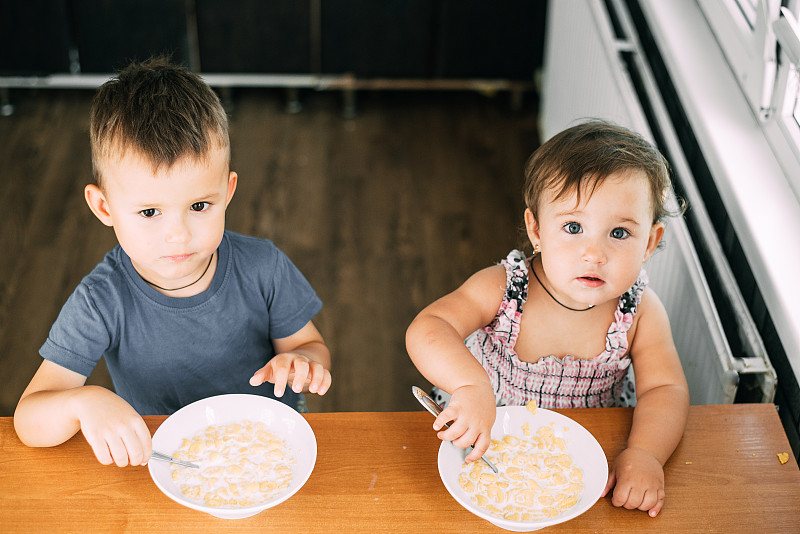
(241, 464)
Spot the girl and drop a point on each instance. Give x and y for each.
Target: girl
(595, 197)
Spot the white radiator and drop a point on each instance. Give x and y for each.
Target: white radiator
(584, 77)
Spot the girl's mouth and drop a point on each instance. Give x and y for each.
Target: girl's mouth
(591, 281)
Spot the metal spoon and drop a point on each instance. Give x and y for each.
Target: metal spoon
(166, 458)
(433, 407)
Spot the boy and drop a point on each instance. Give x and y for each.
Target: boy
(181, 309)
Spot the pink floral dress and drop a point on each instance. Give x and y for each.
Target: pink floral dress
(554, 383)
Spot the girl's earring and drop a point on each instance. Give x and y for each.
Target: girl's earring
(537, 249)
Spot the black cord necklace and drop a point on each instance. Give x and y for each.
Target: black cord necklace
(551, 295)
(187, 285)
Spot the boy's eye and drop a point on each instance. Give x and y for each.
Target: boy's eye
(619, 233)
(573, 228)
(200, 206)
(148, 213)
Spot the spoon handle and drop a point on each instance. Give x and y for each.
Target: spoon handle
(433, 407)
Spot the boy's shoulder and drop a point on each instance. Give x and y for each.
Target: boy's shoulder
(251, 247)
(109, 272)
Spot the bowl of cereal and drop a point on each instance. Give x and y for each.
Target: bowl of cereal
(252, 453)
(550, 470)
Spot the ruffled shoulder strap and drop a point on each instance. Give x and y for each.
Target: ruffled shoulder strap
(629, 301)
(516, 278)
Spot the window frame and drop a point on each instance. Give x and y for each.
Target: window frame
(749, 47)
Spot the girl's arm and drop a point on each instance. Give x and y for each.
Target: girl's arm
(660, 415)
(57, 404)
(435, 343)
(302, 359)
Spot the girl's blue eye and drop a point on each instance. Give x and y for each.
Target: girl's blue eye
(619, 233)
(573, 228)
(200, 206)
(148, 213)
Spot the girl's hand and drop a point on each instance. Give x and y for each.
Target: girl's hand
(116, 433)
(303, 373)
(639, 480)
(470, 413)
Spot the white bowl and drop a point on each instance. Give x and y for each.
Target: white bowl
(281, 420)
(581, 445)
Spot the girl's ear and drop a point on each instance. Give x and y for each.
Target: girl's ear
(532, 227)
(97, 202)
(656, 233)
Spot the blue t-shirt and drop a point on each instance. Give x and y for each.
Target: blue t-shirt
(164, 352)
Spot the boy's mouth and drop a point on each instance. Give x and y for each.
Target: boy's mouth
(178, 257)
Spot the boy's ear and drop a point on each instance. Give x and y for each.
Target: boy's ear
(97, 202)
(233, 178)
(531, 227)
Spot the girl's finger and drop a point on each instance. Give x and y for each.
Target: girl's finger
(612, 480)
(133, 446)
(118, 451)
(101, 452)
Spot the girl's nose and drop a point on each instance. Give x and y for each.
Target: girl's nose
(593, 253)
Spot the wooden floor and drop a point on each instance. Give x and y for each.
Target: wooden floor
(383, 213)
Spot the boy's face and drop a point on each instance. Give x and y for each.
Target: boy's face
(170, 222)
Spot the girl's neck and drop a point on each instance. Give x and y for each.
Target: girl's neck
(549, 293)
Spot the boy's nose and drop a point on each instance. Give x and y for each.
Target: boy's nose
(177, 231)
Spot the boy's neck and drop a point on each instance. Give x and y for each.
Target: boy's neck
(191, 289)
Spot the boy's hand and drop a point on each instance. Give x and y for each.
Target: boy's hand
(639, 480)
(470, 413)
(116, 433)
(303, 373)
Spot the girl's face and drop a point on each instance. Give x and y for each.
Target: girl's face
(170, 222)
(592, 253)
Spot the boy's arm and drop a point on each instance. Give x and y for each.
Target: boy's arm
(659, 418)
(302, 359)
(57, 404)
(435, 343)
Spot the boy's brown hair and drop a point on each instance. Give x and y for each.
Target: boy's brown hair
(580, 158)
(160, 111)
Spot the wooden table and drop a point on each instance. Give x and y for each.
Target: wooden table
(376, 472)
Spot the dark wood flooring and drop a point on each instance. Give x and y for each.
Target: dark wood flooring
(383, 213)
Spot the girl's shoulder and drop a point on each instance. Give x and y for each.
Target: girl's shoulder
(650, 319)
(488, 280)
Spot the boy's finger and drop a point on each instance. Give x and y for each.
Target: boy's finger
(314, 378)
(257, 379)
(300, 375)
(325, 384)
(280, 376)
